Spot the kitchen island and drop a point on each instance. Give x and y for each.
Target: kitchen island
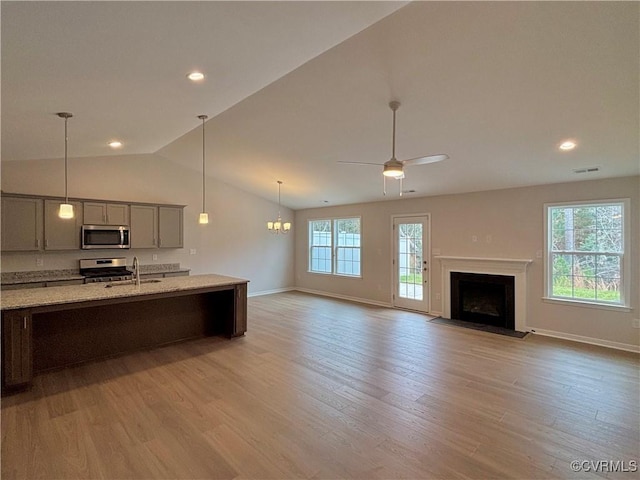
(57, 327)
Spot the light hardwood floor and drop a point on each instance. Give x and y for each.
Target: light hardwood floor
(321, 388)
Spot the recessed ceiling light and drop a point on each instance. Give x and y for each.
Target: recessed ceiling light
(568, 145)
(195, 76)
(115, 144)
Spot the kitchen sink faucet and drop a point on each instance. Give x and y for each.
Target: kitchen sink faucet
(136, 270)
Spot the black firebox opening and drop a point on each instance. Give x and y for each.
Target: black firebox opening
(481, 298)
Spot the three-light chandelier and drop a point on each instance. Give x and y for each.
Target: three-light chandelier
(278, 226)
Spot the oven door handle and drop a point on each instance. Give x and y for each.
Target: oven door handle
(122, 237)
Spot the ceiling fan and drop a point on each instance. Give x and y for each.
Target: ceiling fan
(394, 168)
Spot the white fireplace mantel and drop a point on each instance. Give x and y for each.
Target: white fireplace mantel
(514, 267)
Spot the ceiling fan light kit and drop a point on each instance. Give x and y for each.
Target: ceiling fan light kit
(394, 168)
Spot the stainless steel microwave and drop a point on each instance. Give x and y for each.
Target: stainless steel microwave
(105, 236)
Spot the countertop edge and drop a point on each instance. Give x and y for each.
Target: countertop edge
(97, 292)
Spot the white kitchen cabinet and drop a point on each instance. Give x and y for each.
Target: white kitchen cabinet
(170, 230)
(98, 213)
(21, 224)
(61, 233)
(144, 226)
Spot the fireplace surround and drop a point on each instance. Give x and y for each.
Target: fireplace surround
(516, 268)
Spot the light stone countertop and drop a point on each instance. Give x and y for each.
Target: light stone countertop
(38, 297)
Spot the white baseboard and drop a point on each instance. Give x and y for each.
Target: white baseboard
(269, 292)
(590, 340)
(343, 297)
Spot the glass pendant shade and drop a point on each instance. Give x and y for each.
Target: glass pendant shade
(65, 211)
(203, 219)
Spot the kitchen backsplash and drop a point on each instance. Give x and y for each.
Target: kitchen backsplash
(10, 277)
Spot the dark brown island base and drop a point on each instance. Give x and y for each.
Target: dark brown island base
(52, 328)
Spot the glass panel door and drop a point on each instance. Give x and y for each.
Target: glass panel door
(411, 266)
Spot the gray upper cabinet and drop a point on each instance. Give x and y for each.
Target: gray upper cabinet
(144, 226)
(31, 223)
(60, 233)
(170, 233)
(21, 224)
(97, 213)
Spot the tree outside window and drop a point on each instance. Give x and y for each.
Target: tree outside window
(586, 252)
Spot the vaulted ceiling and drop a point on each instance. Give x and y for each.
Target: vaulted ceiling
(293, 88)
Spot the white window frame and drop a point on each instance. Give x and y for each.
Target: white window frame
(334, 256)
(625, 264)
(310, 247)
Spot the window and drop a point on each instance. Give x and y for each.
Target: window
(334, 246)
(320, 246)
(586, 257)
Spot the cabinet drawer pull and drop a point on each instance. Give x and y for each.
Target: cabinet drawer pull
(24, 323)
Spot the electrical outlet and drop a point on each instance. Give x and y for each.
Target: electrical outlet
(39, 262)
(474, 238)
(636, 323)
(437, 296)
(154, 257)
(192, 251)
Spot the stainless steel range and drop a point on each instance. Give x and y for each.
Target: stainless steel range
(105, 270)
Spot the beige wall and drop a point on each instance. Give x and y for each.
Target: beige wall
(514, 220)
(234, 243)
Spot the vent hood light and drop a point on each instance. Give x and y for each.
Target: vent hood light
(115, 144)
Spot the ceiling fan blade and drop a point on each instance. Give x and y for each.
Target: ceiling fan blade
(361, 163)
(424, 160)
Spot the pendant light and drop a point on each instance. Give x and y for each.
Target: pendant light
(278, 226)
(66, 209)
(204, 217)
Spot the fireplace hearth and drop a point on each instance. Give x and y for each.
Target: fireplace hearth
(483, 298)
